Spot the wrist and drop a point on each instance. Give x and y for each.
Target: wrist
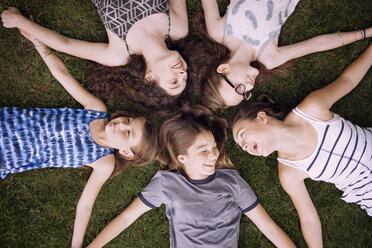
(38, 43)
(20, 20)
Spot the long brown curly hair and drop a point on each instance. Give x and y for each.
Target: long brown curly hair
(177, 134)
(129, 82)
(214, 54)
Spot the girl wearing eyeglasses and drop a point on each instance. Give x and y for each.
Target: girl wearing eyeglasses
(249, 31)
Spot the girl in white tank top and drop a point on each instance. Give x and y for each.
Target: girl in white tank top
(312, 142)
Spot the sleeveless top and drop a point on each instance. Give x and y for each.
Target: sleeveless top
(120, 15)
(38, 137)
(343, 156)
(257, 22)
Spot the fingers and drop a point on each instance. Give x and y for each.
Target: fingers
(9, 17)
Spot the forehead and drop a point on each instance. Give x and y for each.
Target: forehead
(228, 94)
(240, 125)
(204, 138)
(137, 126)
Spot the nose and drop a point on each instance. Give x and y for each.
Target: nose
(214, 155)
(245, 146)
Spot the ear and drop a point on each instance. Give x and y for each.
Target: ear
(223, 68)
(181, 158)
(149, 76)
(262, 117)
(128, 153)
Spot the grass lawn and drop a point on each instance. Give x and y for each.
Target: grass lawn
(37, 208)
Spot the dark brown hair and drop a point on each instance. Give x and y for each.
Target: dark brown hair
(129, 82)
(250, 109)
(177, 134)
(215, 54)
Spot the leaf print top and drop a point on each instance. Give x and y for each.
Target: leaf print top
(257, 22)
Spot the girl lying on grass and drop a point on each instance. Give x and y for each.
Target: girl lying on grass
(38, 138)
(311, 141)
(141, 35)
(203, 204)
(249, 34)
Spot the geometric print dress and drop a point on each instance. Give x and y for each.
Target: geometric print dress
(32, 138)
(343, 156)
(120, 15)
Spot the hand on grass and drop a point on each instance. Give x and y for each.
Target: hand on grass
(11, 17)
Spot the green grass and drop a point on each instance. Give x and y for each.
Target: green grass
(37, 208)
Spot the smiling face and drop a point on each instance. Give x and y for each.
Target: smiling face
(124, 133)
(201, 157)
(253, 136)
(169, 71)
(237, 74)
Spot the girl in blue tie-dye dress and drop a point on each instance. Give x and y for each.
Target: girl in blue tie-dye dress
(38, 137)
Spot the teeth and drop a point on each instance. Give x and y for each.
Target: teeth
(209, 164)
(178, 65)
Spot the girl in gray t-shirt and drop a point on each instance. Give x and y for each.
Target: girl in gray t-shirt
(203, 201)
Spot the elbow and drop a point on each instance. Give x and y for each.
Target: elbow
(84, 207)
(311, 221)
(320, 42)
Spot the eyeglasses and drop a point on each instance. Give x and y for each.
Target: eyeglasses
(240, 88)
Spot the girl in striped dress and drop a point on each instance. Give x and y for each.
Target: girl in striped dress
(312, 142)
(37, 138)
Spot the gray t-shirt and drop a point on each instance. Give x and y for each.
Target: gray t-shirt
(201, 213)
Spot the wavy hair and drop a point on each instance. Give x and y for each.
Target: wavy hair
(177, 134)
(129, 82)
(215, 54)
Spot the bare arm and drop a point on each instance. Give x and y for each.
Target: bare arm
(102, 170)
(60, 72)
(292, 181)
(120, 223)
(213, 20)
(107, 54)
(320, 101)
(316, 44)
(179, 19)
(268, 227)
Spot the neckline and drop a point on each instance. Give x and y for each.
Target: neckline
(202, 181)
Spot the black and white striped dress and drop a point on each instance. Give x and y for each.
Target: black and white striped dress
(343, 156)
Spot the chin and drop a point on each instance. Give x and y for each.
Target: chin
(210, 171)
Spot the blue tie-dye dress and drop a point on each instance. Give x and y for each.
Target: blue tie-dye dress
(34, 138)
